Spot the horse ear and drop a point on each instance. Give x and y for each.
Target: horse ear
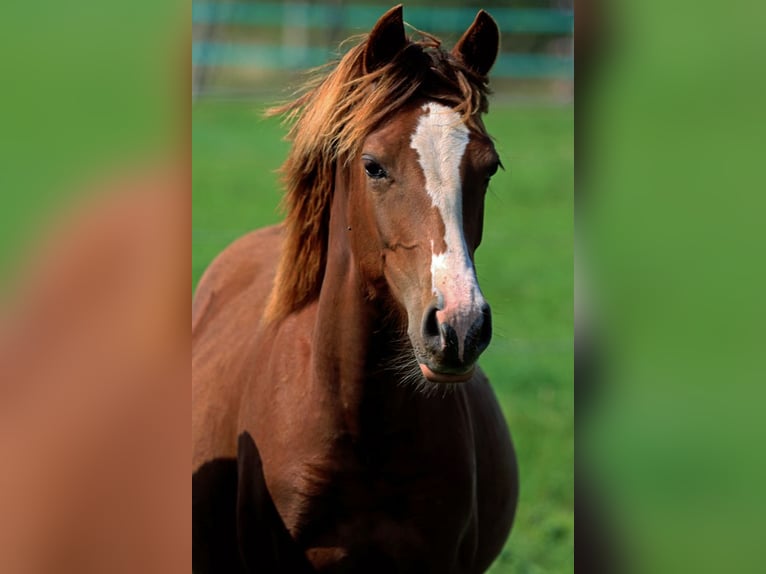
(478, 46)
(386, 40)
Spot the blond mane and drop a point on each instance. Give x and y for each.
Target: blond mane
(330, 120)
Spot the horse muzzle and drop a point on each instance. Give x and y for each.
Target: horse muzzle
(452, 340)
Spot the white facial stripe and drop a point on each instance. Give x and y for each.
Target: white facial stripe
(440, 140)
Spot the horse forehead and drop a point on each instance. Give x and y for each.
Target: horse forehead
(439, 140)
(419, 130)
(438, 130)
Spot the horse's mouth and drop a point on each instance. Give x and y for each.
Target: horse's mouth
(437, 377)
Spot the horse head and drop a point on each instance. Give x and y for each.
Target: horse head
(390, 146)
(418, 183)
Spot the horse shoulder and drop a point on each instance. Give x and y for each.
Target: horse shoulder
(248, 264)
(496, 468)
(226, 314)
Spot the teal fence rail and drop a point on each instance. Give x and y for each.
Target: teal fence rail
(441, 19)
(260, 41)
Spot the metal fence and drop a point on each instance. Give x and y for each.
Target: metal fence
(239, 47)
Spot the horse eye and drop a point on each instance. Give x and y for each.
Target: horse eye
(374, 170)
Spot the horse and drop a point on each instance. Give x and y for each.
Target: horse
(340, 421)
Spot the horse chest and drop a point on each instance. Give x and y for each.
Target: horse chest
(387, 506)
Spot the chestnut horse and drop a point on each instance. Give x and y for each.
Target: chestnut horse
(340, 423)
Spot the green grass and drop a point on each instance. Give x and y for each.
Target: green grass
(525, 270)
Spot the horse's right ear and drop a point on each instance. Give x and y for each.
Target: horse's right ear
(386, 40)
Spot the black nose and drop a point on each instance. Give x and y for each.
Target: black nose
(443, 339)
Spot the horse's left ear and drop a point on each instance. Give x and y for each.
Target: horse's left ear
(386, 40)
(478, 46)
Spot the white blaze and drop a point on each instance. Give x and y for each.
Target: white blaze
(440, 139)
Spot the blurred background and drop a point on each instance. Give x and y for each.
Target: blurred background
(249, 55)
(250, 48)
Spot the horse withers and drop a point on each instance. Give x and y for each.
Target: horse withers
(340, 422)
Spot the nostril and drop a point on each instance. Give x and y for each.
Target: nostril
(431, 323)
(486, 313)
(485, 332)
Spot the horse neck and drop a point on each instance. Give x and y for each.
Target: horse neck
(350, 337)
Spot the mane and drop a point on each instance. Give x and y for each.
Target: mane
(329, 122)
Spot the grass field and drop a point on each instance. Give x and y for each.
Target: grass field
(524, 267)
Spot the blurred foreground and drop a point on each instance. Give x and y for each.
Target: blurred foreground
(670, 316)
(94, 266)
(94, 373)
